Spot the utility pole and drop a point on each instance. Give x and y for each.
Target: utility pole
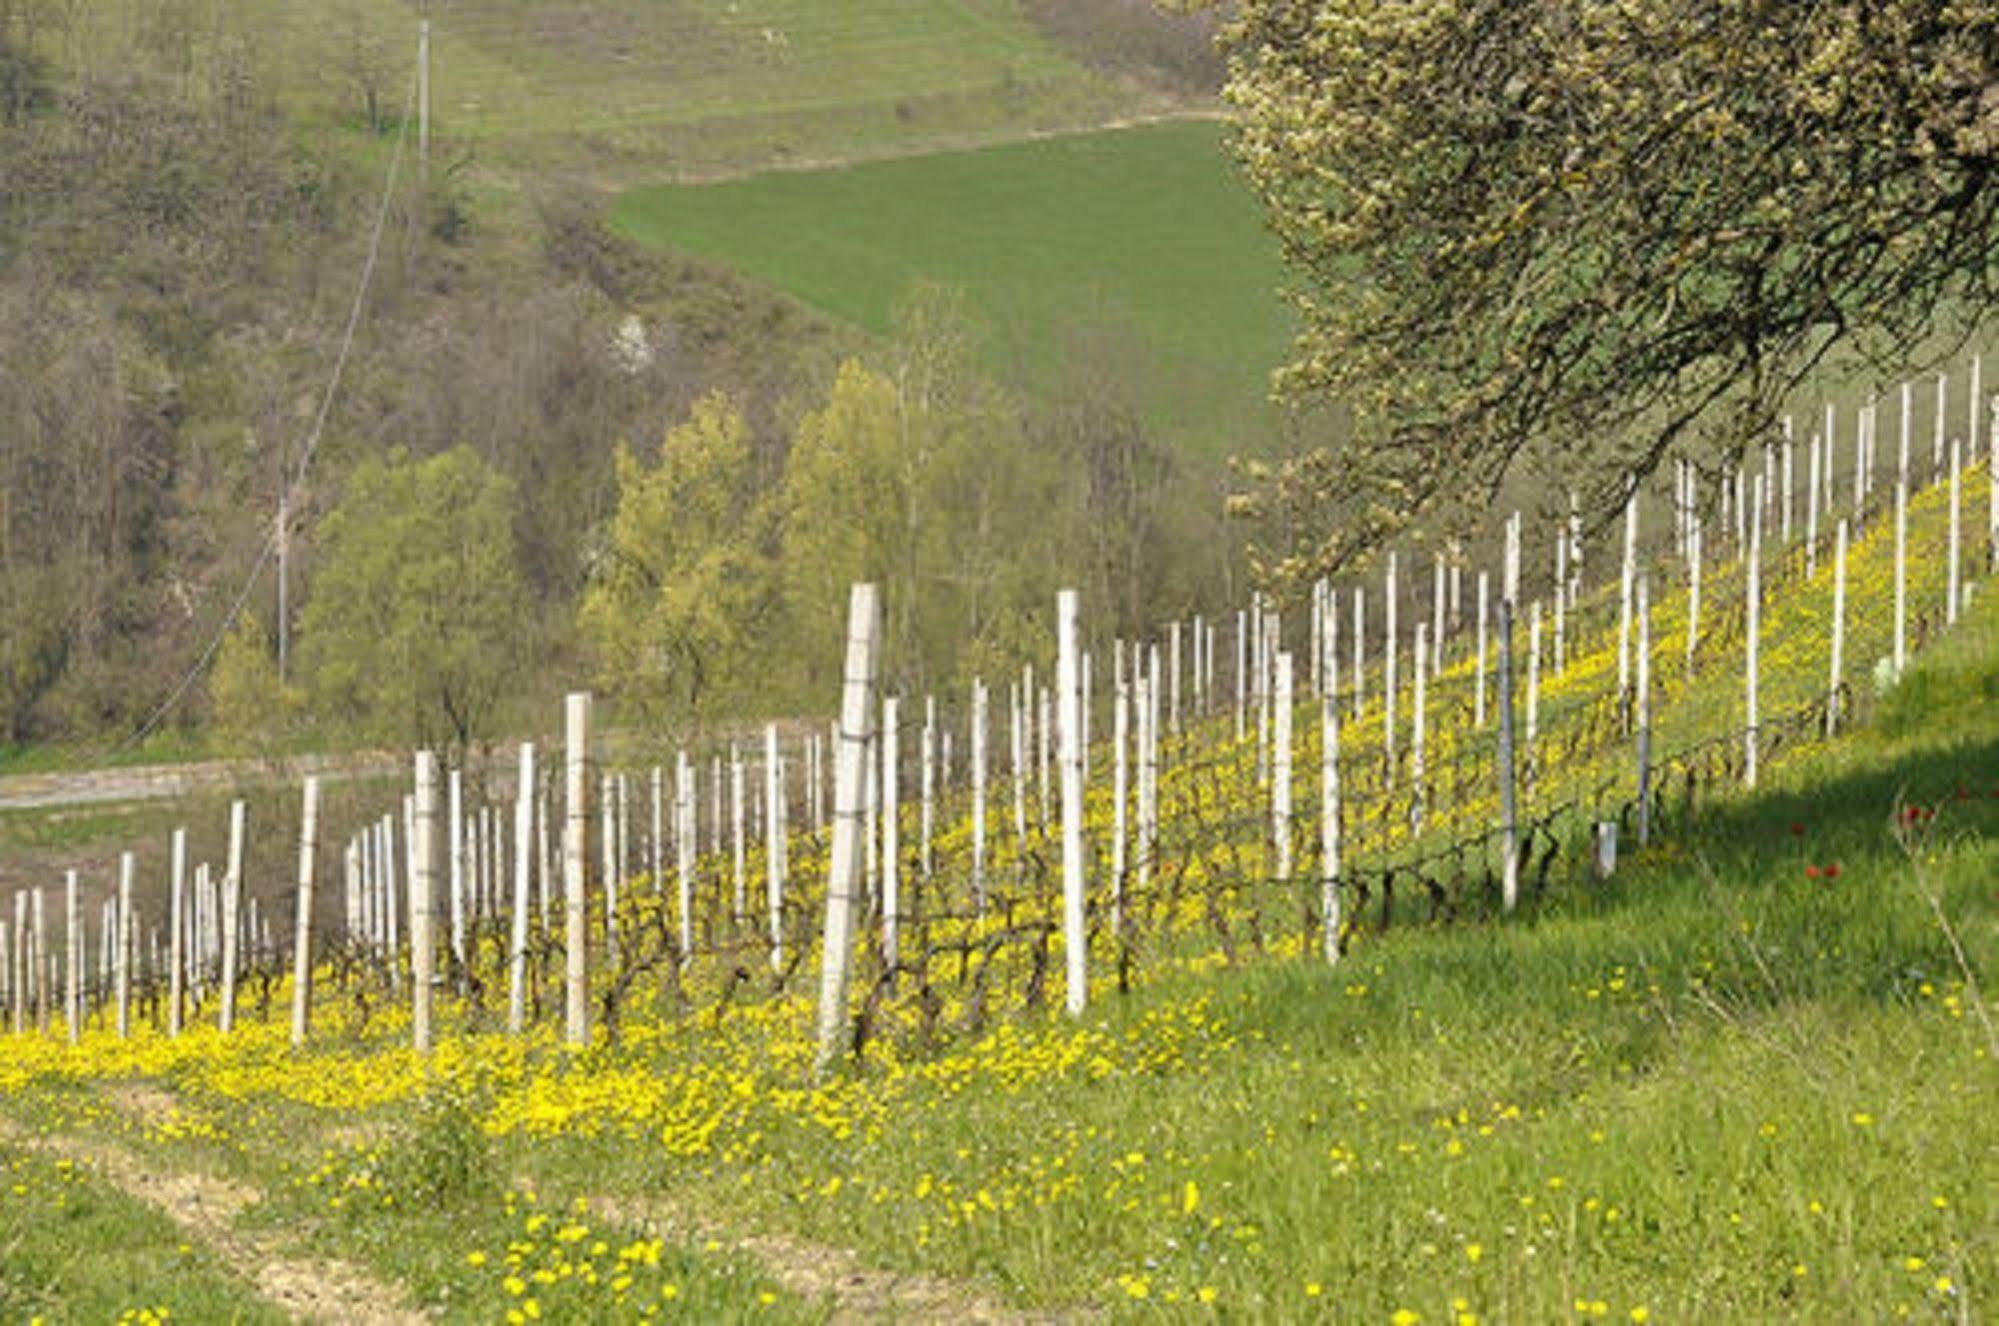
(423, 97)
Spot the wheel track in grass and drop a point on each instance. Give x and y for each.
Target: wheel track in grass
(856, 1292)
(204, 1208)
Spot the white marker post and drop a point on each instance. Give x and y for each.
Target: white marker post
(1070, 718)
(308, 859)
(423, 857)
(1838, 631)
(232, 906)
(844, 862)
(1751, 716)
(575, 868)
(1329, 819)
(517, 949)
(1280, 787)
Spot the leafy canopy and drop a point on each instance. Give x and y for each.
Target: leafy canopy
(1586, 233)
(413, 624)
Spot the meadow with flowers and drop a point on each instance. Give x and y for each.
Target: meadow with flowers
(1747, 1077)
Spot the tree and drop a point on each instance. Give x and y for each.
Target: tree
(1591, 234)
(248, 706)
(677, 608)
(411, 627)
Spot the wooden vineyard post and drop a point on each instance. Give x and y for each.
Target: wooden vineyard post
(738, 849)
(232, 906)
(177, 932)
(308, 860)
(1838, 631)
(1280, 784)
(979, 704)
(1509, 885)
(1901, 575)
(575, 865)
(1388, 651)
(1120, 784)
(1956, 527)
(891, 830)
(1696, 536)
(844, 861)
(1068, 678)
(1418, 723)
(121, 940)
(1751, 716)
(72, 959)
(517, 937)
(1484, 608)
(1625, 576)
(774, 844)
(1359, 650)
(1644, 714)
(455, 826)
(685, 828)
(422, 889)
(1329, 819)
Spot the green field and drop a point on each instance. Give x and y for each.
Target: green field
(1134, 250)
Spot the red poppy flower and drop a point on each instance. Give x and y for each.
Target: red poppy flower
(1811, 872)
(1797, 830)
(1832, 871)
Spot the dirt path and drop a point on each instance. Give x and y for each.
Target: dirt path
(204, 1207)
(857, 1293)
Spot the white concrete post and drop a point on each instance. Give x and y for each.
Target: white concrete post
(1750, 676)
(1280, 784)
(774, 844)
(1956, 527)
(517, 938)
(308, 861)
(1068, 674)
(122, 941)
(232, 915)
(891, 829)
(1644, 709)
(1838, 632)
(423, 859)
(980, 699)
(575, 868)
(844, 862)
(1329, 822)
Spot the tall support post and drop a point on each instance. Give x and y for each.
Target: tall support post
(177, 955)
(1173, 674)
(926, 821)
(685, 829)
(1241, 675)
(1624, 583)
(774, 844)
(1280, 782)
(1901, 575)
(1120, 785)
(72, 995)
(1697, 536)
(1509, 832)
(308, 864)
(1359, 650)
(1019, 774)
(980, 699)
(1437, 618)
(1951, 555)
(1148, 772)
(1388, 652)
(1812, 513)
(1418, 725)
(121, 939)
(423, 864)
(1838, 632)
(1751, 707)
(738, 847)
(1789, 468)
(1068, 677)
(656, 846)
(232, 918)
(844, 861)
(517, 934)
(1329, 820)
(1644, 709)
(1561, 599)
(891, 829)
(575, 869)
(1484, 610)
(455, 852)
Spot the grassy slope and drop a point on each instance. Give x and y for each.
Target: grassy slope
(1142, 228)
(664, 85)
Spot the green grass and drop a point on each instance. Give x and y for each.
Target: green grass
(1722, 1086)
(74, 1249)
(1133, 251)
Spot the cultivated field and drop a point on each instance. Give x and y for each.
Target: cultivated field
(1128, 260)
